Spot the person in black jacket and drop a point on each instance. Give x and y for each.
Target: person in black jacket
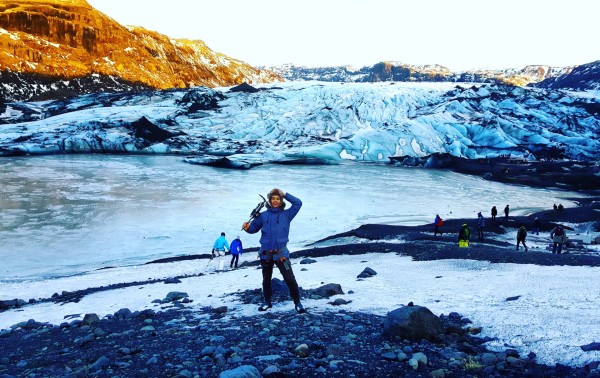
(521, 236)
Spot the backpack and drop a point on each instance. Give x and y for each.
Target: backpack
(440, 222)
(522, 233)
(559, 231)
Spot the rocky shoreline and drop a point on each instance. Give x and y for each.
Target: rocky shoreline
(552, 172)
(180, 342)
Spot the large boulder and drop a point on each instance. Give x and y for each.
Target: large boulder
(329, 290)
(412, 323)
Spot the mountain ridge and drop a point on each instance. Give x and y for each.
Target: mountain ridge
(398, 71)
(69, 39)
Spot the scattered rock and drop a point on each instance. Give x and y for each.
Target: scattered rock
(366, 273)
(302, 350)
(328, 290)
(172, 280)
(339, 302)
(90, 319)
(175, 295)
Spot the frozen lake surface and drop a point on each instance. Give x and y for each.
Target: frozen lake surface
(69, 214)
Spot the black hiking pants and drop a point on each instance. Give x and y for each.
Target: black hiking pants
(285, 267)
(234, 260)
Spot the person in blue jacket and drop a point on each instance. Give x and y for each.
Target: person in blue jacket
(236, 250)
(220, 245)
(275, 226)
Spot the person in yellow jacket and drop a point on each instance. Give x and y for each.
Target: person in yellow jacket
(463, 236)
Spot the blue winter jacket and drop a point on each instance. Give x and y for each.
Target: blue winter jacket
(236, 247)
(221, 244)
(275, 226)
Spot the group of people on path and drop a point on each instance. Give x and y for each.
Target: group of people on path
(558, 234)
(274, 224)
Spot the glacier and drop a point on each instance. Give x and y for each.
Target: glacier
(312, 122)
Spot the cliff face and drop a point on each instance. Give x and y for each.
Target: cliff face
(69, 39)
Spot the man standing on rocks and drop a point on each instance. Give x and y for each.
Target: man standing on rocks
(506, 211)
(275, 226)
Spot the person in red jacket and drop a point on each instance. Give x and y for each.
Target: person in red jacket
(275, 226)
(437, 223)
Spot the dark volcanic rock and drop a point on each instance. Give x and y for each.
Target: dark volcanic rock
(412, 323)
(144, 129)
(244, 87)
(186, 343)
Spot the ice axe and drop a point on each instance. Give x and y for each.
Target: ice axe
(256, 212)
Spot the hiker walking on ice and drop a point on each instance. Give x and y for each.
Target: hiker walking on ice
(536, 226)
(275, 226)
(506, 211)
(521, 236)
(558, 236)
(494, 213)
(236, 250)
(220, 245)
(480, 225)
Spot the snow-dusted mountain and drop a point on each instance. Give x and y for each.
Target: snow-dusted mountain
(584, 77)
(397, 71)
(328, 122)
(56, 48)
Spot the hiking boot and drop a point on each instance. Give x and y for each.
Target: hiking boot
(300, 309)
(265, 307)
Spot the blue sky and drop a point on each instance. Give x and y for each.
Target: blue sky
(459, 34)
